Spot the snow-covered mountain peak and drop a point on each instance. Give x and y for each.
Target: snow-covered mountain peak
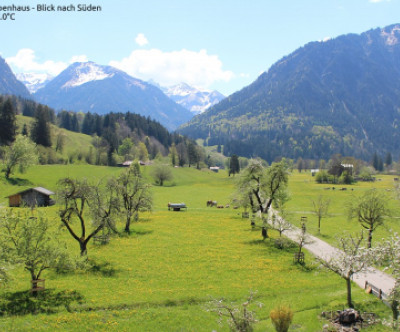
(34, 81)
(87, 72)
(194, 99)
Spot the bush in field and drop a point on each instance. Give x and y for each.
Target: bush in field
(324, 177)
(239, 317)
(161, 173)
(281, 318)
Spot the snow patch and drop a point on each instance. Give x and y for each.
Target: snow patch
(34, 81)
(391, 36)
(87, 72)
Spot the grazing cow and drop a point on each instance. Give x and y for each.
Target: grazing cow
(211, 203)
(220, 207)
(227, 206)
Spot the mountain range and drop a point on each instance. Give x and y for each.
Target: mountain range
(337, 96)
(194, 99)
(62, 96)
(34, 81)
(89, 87)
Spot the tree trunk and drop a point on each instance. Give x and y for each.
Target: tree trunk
(83, 247)
(319, 225)
(127, 225)
(370, 238)
(8, 172)
(348, 284)
(264, 232)
(33, 285)
(395, 312)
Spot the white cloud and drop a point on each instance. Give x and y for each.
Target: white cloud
(168, 68)
(141, 40)
(376, 1)
(25, 61)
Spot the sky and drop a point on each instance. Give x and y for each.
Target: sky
(211, 44)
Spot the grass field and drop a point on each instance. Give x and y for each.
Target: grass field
(162, 276)
(304, 189)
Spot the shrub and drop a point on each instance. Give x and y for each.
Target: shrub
(284, 243)
(346, 178)
(324, 177)
(281, 318)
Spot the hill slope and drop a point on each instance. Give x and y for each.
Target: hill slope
(104, 89)
(9, 85)
(338, 96)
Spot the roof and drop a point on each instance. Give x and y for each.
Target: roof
(41, 190)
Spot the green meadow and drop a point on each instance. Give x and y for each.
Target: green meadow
(161, 277)
(304, 189)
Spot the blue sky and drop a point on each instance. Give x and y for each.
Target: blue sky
(214, 44)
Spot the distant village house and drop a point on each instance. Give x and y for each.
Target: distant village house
(32, 197)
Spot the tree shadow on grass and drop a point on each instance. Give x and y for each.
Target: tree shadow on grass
(47, 301)
(19, 182)
(136, 233)
(140, 232)
(103, 268)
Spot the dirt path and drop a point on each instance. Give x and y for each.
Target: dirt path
(325, 251)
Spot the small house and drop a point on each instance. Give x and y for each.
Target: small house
(348, 168)
(126, 163)
(37, 196)
(314, 171)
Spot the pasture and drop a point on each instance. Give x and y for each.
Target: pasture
(161, 277)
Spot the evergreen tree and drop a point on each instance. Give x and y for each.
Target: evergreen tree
(375, 161)
(88, 124)
(193, 155)
(40, 132)
(388, 159)
(380, 164)
(234, 166)
(8, 124)
(74, 123)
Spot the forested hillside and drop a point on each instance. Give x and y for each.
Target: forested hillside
(338, 96)
(110, 139)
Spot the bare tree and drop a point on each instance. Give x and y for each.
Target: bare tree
(76, 196)
(302, 239)
(370, 210)
(135, 194)
(280, 224)
(320, 209)
(239, 317)
(350, 259)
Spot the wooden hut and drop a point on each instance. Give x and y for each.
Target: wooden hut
(37, 196)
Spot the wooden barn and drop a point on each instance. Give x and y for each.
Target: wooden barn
(32, 197)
